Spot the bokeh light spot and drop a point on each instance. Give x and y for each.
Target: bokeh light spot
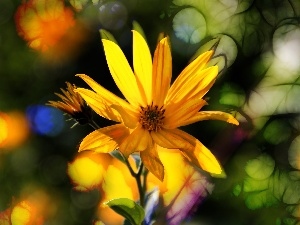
(113, 15)
(3, 128)
(286, 42)
(189, 25)
(45, 120)
(14, 129)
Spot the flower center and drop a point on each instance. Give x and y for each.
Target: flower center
(151, 117)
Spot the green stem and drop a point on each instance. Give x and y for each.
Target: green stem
(138, 179)
(138, 176)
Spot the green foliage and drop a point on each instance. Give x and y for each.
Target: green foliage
(277, 131)
(260, 168)
(265, 186)
(78, 4)
(129, 209)
(232, 95)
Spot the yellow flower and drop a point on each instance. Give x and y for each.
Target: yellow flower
(183, 188)
(153, 109)
(73, 104)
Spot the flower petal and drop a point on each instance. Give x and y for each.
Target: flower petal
(194, 67)
(211, 115)
(196, 86)
(167, 138)
(162, 72)
(122, 73)
(152, 162)
(99, 105)
(129, 118)
(105, 94)
(192, 149)
(138, 140)
(142, 65)
(176, 115)
(104, 139)
(203, 158)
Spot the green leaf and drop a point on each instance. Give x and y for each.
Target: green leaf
(277, 132)
(128, 209)
(107, 35)
(294, 153)
(256, 200)
(260, 168)
(78, 4)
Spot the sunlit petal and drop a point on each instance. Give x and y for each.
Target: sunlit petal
(162, 72)
(138, 140)
(210, 115)
(142, 65)
(129, 118)
(99, 105)
(193, 68)
(177, 114)
(196, 152)
(105, 94)
(122, 73)
(104, 139)
(196, 86)
(201, 156)
(152, 162)
(169, 139)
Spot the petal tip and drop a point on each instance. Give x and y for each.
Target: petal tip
(233, 121)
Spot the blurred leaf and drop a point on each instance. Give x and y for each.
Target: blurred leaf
(275, 11)
(261, 167)
(237, 190)
(294, 175)
(129, 209)
(78, 4)
(260, 199)
(251, 185)
(265, 186)
(294, 153)
(189, 25)
(237, 19)
(225, 51)
(277, 131)
(232, 95)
